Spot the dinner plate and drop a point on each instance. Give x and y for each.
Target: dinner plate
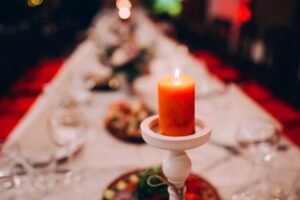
(38, 155)
(133, 186)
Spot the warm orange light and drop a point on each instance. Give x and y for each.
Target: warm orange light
(34, 3)
(123, 4)
(176, 100)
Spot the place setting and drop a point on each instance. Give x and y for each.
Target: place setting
(140, 109)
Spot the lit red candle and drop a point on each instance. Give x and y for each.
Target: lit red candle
(176, 98)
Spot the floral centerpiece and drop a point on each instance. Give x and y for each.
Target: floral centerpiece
(123, 53)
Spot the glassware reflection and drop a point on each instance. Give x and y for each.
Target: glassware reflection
(67, 126)
(258, 139)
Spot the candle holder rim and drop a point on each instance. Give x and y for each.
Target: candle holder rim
(174, 143)
(153, 120)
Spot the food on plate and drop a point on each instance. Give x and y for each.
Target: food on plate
(134, 186)
(123, 120)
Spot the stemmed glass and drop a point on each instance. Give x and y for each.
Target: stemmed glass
(7, 181)
(81, 85)
(67, 127)
(38, 164)
(11, 185)
(258, 140)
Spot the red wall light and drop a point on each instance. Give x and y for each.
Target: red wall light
(244, 14)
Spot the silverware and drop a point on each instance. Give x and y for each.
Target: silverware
(233, 150)
(229, 148)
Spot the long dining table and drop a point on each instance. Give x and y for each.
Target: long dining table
(103, 158)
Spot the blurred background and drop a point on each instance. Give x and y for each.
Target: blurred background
(77, 78)
(259, 38)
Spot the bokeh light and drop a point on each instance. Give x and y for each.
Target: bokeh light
(124, 13)
(34, 3)
(123, 4)
(244, 14)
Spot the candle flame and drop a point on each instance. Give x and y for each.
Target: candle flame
(177, 73)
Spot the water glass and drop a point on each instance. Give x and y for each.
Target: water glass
(258, 140)
(67, 129)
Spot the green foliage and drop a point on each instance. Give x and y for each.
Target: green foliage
(144, 191)
(172, 8)
(137, 66)
(134, 67)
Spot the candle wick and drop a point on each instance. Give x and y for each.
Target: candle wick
(177, 73)
(177, 81)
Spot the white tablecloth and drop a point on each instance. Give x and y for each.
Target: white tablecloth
(104, 158)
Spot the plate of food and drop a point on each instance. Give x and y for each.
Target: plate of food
(133, 186)
(123, 120)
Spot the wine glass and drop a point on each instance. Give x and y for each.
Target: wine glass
(80, 89)
(83, 79)
(67, 126)
(39, 164)
(13, 170)
(7, 178)
(258, 140)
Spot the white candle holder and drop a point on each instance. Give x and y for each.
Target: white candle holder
(177, 165)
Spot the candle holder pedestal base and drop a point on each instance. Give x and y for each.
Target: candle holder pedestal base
(177, 165)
